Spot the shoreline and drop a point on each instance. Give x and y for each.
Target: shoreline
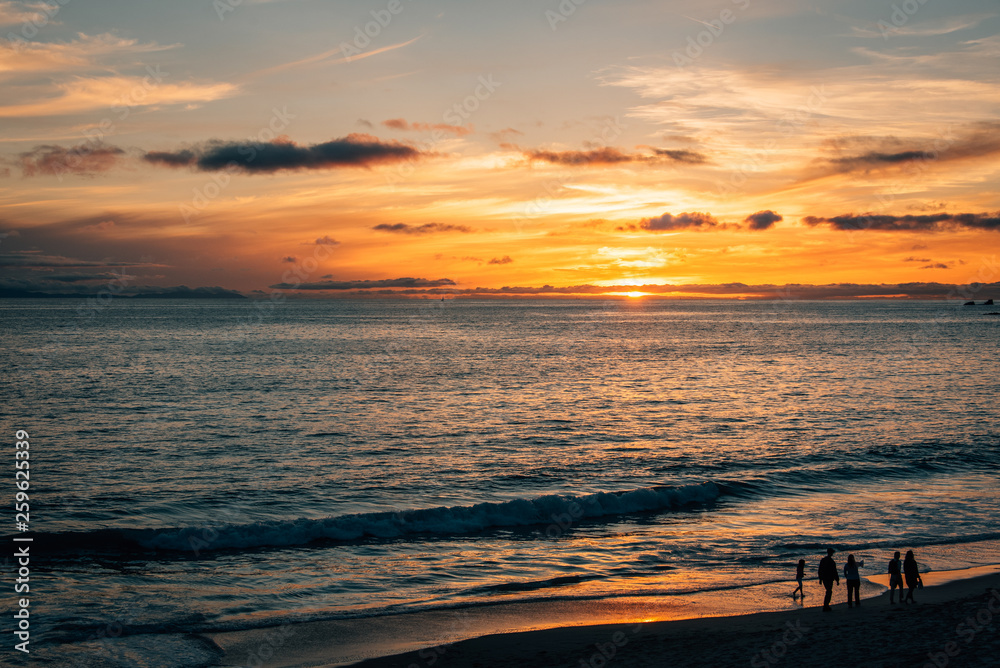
(709, 628)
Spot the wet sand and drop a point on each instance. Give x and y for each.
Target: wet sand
(955, 622)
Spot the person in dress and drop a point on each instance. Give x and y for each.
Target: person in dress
(912, 575)
(853, 577)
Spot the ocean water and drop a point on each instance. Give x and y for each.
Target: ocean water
(200, 466)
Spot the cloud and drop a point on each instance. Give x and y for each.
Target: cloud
(978, 141)
(354, 150)
(12, 13)
(923, 29)
(31, 260)
(290, 259)
(368, 284)
(917, 259)
(339, 51)
(682, 221)
(116, 93)
(502, 260)
(682, 155)
(426, 228)
(326, 240)
(75, 278)
(505, 135)
(742, 290)
(937, 265)
(85, 159)
(763, 220)
(19, 55)
(613, 156)
(937, 222)
(597, 156)
(406, 126)
(181, 158)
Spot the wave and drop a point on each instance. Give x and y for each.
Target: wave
(554, 514)
(890, 543)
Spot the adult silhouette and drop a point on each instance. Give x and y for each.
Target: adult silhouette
(895, 578)
(828, 575)
(853, 577)
(912, 574)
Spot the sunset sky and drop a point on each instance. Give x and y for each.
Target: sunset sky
(417, 147)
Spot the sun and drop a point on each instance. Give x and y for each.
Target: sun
(635, 294)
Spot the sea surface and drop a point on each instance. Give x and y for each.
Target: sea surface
(201, 466)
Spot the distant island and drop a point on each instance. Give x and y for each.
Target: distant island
(180, 292)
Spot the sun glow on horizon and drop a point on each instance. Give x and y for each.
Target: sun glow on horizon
(634, 294)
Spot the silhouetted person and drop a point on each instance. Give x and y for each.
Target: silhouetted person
(828, 575)
(895, 578)
(912, 575)
(853, 578)
(800, 574)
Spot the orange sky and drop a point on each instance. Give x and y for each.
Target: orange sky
(427, 147)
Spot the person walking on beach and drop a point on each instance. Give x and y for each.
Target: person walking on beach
(895, 578)
(828, 575)
(912, 574)
(853, 578)
(800, 574)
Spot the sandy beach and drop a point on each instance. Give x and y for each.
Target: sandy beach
(953, 623)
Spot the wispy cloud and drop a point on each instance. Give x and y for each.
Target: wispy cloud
(426, 228)
(405, 126)
(367, 284)
(85, 159)
(326, 57)
(605, 156)
(89, 93)
(942, 26)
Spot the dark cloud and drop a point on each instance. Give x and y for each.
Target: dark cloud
(354, 150)
(763, 220)
(937, 265)
(597, 156)
(501, 260)
(290, 259)
(366, 284)
(181, 158)
(682, 155)
(77, 278)
(874, 158)
(917, 259)
(936, 222)
(326, 240)
(406, 126)
(85, 159)
(32, 259)
(866, 153)
(613, 156)
(682, 221)
(426, 228)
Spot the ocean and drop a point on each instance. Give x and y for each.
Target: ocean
(202, 466)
